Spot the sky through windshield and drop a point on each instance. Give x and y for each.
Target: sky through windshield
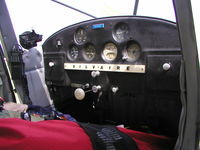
(46, 17)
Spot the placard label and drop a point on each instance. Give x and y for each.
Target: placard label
(106, 67)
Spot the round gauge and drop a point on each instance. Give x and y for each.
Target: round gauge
(109, 52)
(89, 52)
(132, 52)
(121, 31)
(80, 36)
(73, 52)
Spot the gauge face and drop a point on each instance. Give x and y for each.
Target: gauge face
(109, 52)
(121, 31)
(132, 52)
(89, 52)
(73, 53)
(80, 36)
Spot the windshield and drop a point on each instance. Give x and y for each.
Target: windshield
(47, 16)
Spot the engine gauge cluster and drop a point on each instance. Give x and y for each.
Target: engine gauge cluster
(107, 43)
(109, 52)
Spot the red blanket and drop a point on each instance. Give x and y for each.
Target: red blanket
(19, 134)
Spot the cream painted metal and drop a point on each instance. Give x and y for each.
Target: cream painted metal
(105, 67)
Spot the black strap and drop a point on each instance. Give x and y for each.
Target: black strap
(104, 137)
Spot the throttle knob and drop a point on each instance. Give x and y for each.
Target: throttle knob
(79, 94)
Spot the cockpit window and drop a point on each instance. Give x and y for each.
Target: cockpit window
(49, 16)
(157, 8)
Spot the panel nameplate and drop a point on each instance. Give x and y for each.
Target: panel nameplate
(106, 67)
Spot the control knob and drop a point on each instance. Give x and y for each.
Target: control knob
(115, 89)
(51, 64)
(79, 94)
(166, 66)
(96, 88)
(95, 74)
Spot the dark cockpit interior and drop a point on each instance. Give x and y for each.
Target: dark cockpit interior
(117, 70)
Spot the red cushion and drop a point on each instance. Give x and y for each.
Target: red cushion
(19, 134)
(146, 141)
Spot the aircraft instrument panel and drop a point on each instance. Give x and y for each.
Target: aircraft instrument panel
(120, 70)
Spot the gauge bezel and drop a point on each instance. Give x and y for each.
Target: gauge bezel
(84, 52)
(116, 27)
(76, 36)
(68, 52)
(127, 56)
(105, 58)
